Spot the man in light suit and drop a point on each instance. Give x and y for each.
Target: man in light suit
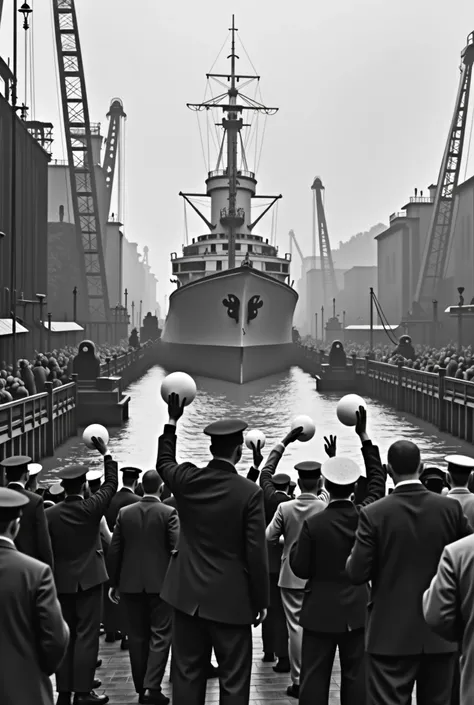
(447, 606)
(145, 536)
(33, 536)
(286, 524)
(33, 633)
(459, 470)
(398, 545)
(217, 580)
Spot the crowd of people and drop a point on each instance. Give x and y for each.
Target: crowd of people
(30, 376)
(186, 560)
(421, 357)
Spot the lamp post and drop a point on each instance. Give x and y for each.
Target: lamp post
(126, 299)
(371, 320)
(140, 319)
(74, 304)
(25, 10)
(322, 323)
(50, 320)
(133, 314)
(460, 304)
(41, 298)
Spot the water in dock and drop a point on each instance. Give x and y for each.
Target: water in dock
(268, 405)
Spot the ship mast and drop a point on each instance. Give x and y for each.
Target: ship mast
(232, 217)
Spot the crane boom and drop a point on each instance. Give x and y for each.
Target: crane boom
(115, 115)
(298, 248)
(77, 130)
(435, 255)
(327, 266)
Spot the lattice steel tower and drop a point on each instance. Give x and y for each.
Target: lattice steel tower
(327, 267)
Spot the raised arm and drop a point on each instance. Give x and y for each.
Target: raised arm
(256, 552)
(441, 607)
(43, 539)
(360, 562)
(271, 464)
(300, 554)
(97, 504)
(52, 631)
(254, 471)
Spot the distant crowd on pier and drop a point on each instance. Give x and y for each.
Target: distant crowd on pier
(425, 358)
(186, 559)
(30, 376)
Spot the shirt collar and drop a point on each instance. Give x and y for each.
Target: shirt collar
(127, 489)
(460, 490)
(16, 482)
(8, 540)
(408, 482)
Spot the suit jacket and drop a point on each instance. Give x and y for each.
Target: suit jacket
(33, 633)
(331, 602)
(398, 545)
(287, 522)
(171, 502)
(466, 498)
(271, 499)
(447, 606)
(145, 536)
(74, 525)
(122, 498)
(33, 537)
(220, 569)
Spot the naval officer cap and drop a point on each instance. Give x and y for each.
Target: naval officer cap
(11, 504)
(432, 473)
(34, 469)
(16, 462)
(227, 430)
(460, 463)
(340, 471)
(94, 475)
(308, 470)
(135, 472)
(73, 472)
(280, 480)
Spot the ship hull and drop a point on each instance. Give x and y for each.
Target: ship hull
(235, 326)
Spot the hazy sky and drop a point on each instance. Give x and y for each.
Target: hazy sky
(365, 88)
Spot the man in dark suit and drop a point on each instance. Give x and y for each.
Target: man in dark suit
(145, 536)
(33, 537)
(33, 633)
(79, 571)
(217, 580)
(334, 610)
(113, 614)
(398, 545)
(275, 491)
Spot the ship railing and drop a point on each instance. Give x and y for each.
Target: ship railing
(421, 199)
(224, 172)
(398, 214)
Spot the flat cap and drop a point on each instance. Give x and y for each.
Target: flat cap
(432, 473)
(226, 427)
(340, 471)
(460, 463)
(281, 479)
(94, 475)
(73, 472)
(308, 469)
(131, 471)
(34, 468)
(56, 489)
(16, 461)
(11, 504)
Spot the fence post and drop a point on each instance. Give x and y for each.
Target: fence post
(74, 415)
(441, 402)
(50, 425)
(400, 403)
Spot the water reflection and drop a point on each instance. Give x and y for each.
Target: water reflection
(267, 404)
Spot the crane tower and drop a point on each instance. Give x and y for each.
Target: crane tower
(77, 130)
(112, 145)
(435, 256)
(327, 266)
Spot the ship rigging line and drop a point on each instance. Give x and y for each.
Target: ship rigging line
(384, 320)
(469, 145)
(32, 69)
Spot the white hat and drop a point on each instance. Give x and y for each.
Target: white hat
(94, 475)
(56, 489)
(340, 471)
(34, 468)
(461, 462)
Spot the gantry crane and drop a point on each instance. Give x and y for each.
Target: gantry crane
(77, 130)
(116, 114)
(327, 267)
(435, 256)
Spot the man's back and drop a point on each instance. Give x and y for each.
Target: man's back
(398, 545)
(220, 566)
(123, 498)
(466, 500)
(33, 537)
(33, 635)
(144, 537)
